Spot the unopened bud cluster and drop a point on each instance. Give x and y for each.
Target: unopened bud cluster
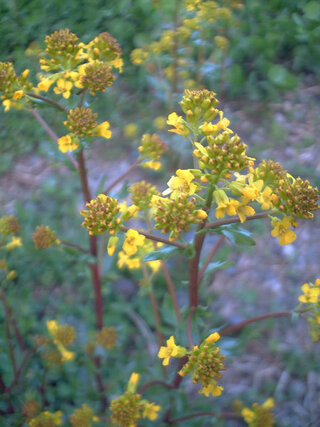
(298, 197)
(206, 362)
(47, 419)
(152, 147)
(81, 121)
(257, 415)
(126, 410)
(141, 194)
(30, 409)
(83, 417)
(104, 47)
(175, 216)
(62, 46)
(44, 237)
(101, 215)
(107, 337)
(270, 172)
(199, 104)
(9, 225)
(311, 297)
(97, 77)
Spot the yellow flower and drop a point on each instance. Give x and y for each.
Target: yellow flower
(311, 294)
(151, 411)
(228, 207)
(11, 275)
(282, 231)
(159, 122)
(68, 143)
(118, 63)
(252, 190)
(152, 165)
(103, 130)
(213, 388)
(181, 184)
(266, 199)
(171, 350)
(212, 338)
(178, 123)
(18, 94)
(132, 241)
(14, 243)
(46, 419)
(64, 87)
(243, 210)
(154, 265)
(248, 415)
(125, 261)
(45, 84)
(7, 104)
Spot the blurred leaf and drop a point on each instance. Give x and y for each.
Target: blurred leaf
(163, 253)
(312, 10)
(237, 235)
(281, 77)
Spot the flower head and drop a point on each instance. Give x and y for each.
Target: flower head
(282, 230)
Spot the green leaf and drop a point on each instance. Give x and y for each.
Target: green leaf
(218, 265)
(312, 10)
(163, 253)
(281, 77)
(237, 235)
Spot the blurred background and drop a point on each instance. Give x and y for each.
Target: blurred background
(265, 71)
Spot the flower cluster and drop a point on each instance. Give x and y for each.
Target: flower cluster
(257, 415)
(82, 124)
(61, 336)
(101, 215)
(44, 237)
(141, 194)
(107, 337)
(197, 19)
(311, 298)
(151, 149)
(47, 419)
(14, 87)
(83, 417)
(135, 248)
(176, 215)
(204, 360)
(128, 409)
(206, 363)
(9, 224)
(72, 64)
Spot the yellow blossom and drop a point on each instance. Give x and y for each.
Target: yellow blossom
(282, 231)
(213, 388)
(213, 338)
(154, 265)
(18, 94)
(171, 350)
(266, 199)
(152, 165)
(243, 210)
(45, 84)
(228, 207)
(14, 243)
(112, 245)
(178, 123)
(68, 143)
(130, 130)
(103, 130)
(248, 415)
(181, 184)
(64, 87)
(125, 261)
(311, 293)
(252, 190)
(132, 241)
(11, 275)
(151, 411)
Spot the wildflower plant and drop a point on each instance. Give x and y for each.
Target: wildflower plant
(219, 189)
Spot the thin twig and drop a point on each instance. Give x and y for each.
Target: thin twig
(210, 256)
(158, 238)
(74, 245)
(171, 290)
(152, 383)
(238, 326)
(47, 100)
(121, 177)
(236, 220)
(23, 364)
(52, 134)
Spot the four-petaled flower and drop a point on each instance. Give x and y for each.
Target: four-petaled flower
(178, 123)
(282, 230)
(171, 350)
(181, 184)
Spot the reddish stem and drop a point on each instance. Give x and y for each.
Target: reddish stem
(210, 256)
(171, 290)
(158, 238)
(237, 327)
(236, 220)
(121, 177)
